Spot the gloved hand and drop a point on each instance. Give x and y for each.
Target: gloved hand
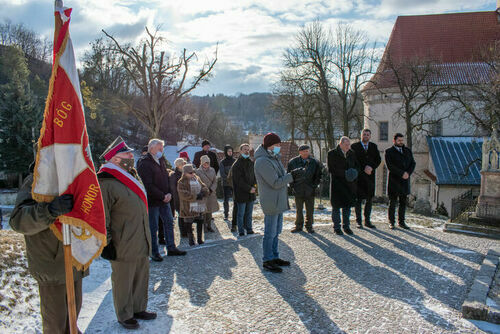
(199, 196)
(298, 174)
(61, 205)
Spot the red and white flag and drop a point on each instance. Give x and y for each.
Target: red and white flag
(64, 163)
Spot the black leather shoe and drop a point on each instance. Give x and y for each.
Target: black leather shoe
(271, 266)
(176, 252)
(281, 263)
(404, 226)
(370, 225)
(391, 226)
(241, 234)
(157, 258)
(310, 230)
(144, 315)
(296, 230)
(348, 231)
(338, 232)
(359, 225)
(233, 228)
(250, 232)
(129, 324)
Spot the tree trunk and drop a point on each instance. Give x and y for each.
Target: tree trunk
(409, 130)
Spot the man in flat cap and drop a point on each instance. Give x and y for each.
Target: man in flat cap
(305, 189)
(128, 237)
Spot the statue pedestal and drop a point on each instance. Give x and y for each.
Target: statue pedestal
(488, 204)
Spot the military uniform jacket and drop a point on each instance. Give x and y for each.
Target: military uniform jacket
(44, 251)
(127, 222)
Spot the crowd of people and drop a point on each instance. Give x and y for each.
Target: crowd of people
(136, 228)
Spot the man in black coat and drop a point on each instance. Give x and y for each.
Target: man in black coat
(369, 159)
(305, 188)
(244, 187)
(205, 145)
(155, 176)
(224, 167)
(400, 163)
(344, 169)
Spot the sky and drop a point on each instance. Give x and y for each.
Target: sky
(251, 35)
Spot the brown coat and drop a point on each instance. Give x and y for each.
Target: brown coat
(209, 178)
(186, 197)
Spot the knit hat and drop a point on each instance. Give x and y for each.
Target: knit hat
(270, 139)
(184, 155)
(205, 142)
(204, 158)
(303, 147)
(187, 169)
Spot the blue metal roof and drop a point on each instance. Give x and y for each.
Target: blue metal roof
(457, 160)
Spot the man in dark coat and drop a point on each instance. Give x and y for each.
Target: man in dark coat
(45, 255)
(400, 163)
(344, 170)
(155, 176)
(225, 167)
(244, 184)
(369, 159)
(205, 145)
(305, 189)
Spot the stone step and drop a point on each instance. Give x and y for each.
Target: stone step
(476, 305)
(472, 229)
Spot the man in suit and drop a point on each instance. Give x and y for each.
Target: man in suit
(400, 163)
(369, 159)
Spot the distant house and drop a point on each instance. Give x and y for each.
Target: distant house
(452, 42)
(454, 168)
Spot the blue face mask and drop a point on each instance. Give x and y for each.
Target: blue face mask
(159, 154)
(246, 156)
(276, 149)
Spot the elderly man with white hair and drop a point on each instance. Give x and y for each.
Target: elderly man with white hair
(343, 168)
(155, 176)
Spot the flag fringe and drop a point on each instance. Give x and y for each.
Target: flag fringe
(83, 225)
(43, 197)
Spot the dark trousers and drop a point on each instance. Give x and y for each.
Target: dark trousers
(188, 225)
(234, 221)
(393, 201)
(54, 309)
(299, 203)
(228, 193)
(367, 211)
(346, 214)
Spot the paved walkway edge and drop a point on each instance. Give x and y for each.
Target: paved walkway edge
(475, 305)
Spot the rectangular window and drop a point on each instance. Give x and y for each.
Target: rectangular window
(384, 131)
(437, 128)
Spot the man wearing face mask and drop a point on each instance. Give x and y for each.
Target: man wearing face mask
(128, 237)
(244, 184)
(273, 181)
(155, 176)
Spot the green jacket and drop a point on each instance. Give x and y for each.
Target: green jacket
(127, 222)
(44, 251)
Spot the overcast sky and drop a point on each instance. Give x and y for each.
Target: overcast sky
(251, 34)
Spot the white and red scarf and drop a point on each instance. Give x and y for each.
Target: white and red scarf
(127, 179)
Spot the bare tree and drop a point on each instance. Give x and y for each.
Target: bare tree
(353, 62)
(159, 79)
(309, 60)
(28, 40)
(479, 97)
(418, 86)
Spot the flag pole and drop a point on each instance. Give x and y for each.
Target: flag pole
(70, 283)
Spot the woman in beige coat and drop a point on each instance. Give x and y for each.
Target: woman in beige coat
(192, 194)
(209, 177)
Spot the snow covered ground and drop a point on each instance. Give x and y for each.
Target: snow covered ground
(19, 304)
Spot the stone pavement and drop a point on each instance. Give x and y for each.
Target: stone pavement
(377, 281)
